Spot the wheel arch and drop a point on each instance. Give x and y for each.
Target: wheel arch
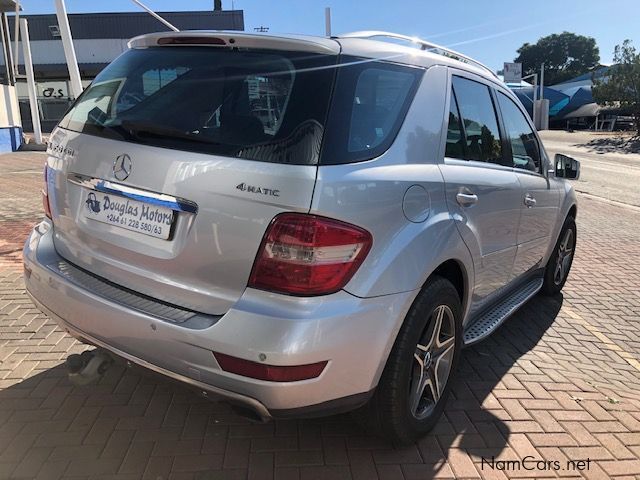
(454, 271)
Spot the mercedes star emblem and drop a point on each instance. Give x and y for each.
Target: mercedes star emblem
(122, 167)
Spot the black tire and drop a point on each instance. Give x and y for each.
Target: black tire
(389, 413)
(554, 279)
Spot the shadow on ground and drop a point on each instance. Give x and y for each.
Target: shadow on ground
(613, 144)
(134, 422)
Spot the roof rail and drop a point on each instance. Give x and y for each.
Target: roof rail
(424, 45)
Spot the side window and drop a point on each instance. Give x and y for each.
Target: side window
(480, 123)
(370, 102)
(455, 135)
(379, 97)
(524, 145)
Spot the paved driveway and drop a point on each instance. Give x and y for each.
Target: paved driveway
(559, 381)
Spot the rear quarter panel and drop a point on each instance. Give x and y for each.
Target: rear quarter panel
(371, 194)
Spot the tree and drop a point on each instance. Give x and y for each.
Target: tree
(621, 86)
(565, 55)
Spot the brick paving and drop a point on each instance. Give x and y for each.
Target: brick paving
(559, 381)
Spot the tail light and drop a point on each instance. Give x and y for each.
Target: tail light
(308, 255)
(45, 193)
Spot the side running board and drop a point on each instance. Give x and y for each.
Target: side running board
(491, 319)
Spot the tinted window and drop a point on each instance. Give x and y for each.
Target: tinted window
(268, 106)
(370, 102)
(378, 99)
(455, 135)
(482, 140)
(524, 145)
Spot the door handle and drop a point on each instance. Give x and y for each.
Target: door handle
(529, 201)
(466, 199)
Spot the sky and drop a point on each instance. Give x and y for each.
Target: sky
(488, 30)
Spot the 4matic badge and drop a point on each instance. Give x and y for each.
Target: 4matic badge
(243, 187)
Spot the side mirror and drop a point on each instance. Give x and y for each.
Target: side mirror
(567, 167)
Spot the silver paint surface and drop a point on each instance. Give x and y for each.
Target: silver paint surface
(406, 198)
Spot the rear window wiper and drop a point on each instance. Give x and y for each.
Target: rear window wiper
(138, 129)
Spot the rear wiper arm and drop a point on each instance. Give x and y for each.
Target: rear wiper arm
(137, 129)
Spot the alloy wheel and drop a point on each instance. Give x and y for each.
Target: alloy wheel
(432, 362)
(564, 256)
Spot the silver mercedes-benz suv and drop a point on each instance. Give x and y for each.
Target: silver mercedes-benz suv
(302, 225)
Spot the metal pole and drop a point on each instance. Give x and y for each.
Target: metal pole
(327, 21)
(31, 82)
(155, 15)
(69, 51)
(535, 99)
(542, 82)
(16, 38)
(6, 50)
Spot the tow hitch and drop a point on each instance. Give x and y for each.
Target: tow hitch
(88, 367)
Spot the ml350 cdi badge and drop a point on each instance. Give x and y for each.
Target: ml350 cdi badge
(302, 225)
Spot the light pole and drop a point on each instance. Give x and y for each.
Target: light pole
(542, 82)
(327, 21)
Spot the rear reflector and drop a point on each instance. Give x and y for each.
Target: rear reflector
(271, 373)
(308, 255)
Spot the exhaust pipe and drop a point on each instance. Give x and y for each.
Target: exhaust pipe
(88, 367)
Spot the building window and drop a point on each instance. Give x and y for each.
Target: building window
(55, 30)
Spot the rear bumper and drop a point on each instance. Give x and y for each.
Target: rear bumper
(354, 335)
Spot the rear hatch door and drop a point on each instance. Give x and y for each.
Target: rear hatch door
(165, 174)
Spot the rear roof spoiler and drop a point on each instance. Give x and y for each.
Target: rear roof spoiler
(237, 39)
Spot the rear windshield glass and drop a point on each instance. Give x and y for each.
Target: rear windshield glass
(255, 105)
(259, 105)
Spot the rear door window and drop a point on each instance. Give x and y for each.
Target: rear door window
(524, 144)
(482, 136)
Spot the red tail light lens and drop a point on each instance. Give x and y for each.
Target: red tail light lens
(308, 255)
(45, 193)
(271, 373)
